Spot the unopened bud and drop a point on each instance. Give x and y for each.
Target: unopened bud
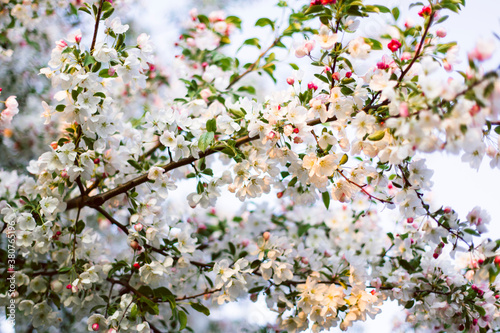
(135, 245)
(266, 235)
(290, 81)
(441, 32)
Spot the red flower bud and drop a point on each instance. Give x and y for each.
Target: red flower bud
(394, 45)
(426, 11)
(136, 265)
(312, 86)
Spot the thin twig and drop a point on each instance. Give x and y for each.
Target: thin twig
(96, 27)
(252, 66)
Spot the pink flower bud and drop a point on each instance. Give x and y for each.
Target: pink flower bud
(290, 81)
(111, 71)
(441, 32)
(95, 326)
(336, 76)
(309, 45)
(312, 86)
(205, 94)
(266, 235)
(78, 38)
(61, 44)
(138, 227)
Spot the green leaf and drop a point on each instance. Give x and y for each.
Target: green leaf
(252, 41)
(314, 9)
(472, 232)
(322, 78)
(150, 306)
(409, 304)
(182, 320)
(135, 164)
(415, 4)
(443, 48)
(234, 20)
(107, 14)
(374, 44)
(212, 125)
(377, 136)
(201, 308)
(208, 172)
(262, 22)
(60, 188)
(249, 89)
(88, 60)
(344, 159)
(442, 19)
(65, 269)
(497, 129)
(395, 13)
(60, 107)
(105, 73)
(206, 140)
(133, 312)
(326, 199)
(294, 66)
(85, 9)
(383, 9)
(80, 225)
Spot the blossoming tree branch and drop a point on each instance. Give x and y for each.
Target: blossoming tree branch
(103, 243)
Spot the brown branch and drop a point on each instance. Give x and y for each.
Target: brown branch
(152, 248)
(417, 53)
(209, 292)
(363, 190)
(111, 219)
(100, 199)
(252, 66)
(96, 27)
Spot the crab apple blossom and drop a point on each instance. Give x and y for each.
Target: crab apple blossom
(394, 45)
(118, 210)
